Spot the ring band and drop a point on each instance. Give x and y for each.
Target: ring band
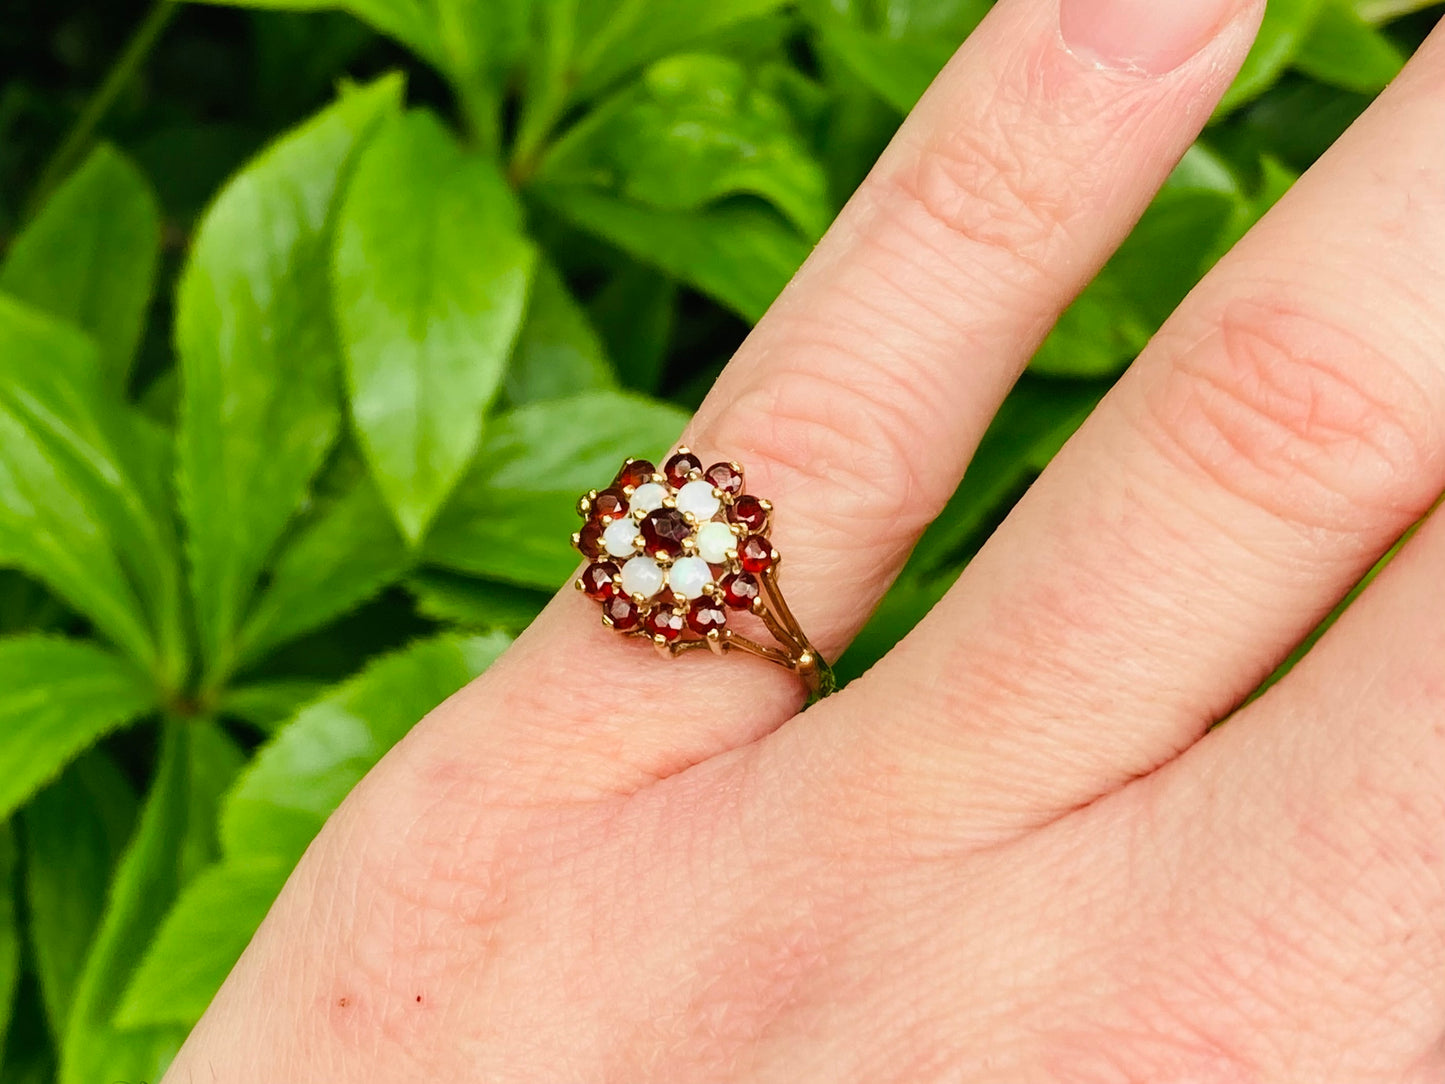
(676, 553)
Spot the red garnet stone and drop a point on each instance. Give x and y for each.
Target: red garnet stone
(665, 622)
(680, 466)
(725, 477)
(739, 590)
(749, 511)
(635, 472)
(590, 542)
(664, 531)
(755, 554)
(706, 615)
(597, 580)
(610, 504)
(622, 612)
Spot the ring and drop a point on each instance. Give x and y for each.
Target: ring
(672, 551)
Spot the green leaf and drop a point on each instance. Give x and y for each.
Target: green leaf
(480, 39)
(268, 704)
(1171, 248)
(635, 312)
(583, 46)
(475, 604)
(280, 5)
(906, 603)
(83, 505)
(1375, 12)
(1343, 50)
(199, 943)
(89, 257)
(467, 40)
(614, 37)
(898, 53)
(1192, 221)
(214, 761)
(431, 275)
(9, 928)
(694, 129)
(1030, 427)
(56, 698)
(513, 514)
(340, 558)
(410, 22)
(75, 830)
(897, 70)
(168, 845)
(145, 884)
(952, 20)
(259, 367)
(1276, 179)
(274, 810)
(1098, 335)
(281, 801)
(406, 21)
(739, 253)
(558, 352)
(1285, 29)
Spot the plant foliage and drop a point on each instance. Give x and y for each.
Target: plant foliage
(292, 421)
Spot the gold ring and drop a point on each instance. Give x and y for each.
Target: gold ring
(676, 554)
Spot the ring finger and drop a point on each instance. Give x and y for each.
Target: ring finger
(858, 400)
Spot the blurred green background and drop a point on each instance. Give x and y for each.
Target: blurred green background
(315, 318)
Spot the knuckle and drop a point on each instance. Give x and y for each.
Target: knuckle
(1300, 416)
(983, 186)
(1016, 170)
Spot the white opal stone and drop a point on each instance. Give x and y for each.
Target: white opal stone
(687, 577)
(714, 540)
(642, 576)
(697, 499)
(618, 535)
(647, 497)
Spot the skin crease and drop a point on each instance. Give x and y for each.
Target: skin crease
(1015, 852)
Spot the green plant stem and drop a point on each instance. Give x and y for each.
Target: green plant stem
(480, 110)
(1383, 11)
(531, 142)
(547, 93)
(122, 71)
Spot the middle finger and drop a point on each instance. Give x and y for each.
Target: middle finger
(1283, 429)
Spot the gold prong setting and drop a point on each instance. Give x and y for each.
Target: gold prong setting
(674, 551)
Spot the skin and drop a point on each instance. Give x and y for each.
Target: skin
(1015, 851)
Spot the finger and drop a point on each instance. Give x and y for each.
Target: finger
(1285, 427)
(1309, 836)
(858, 399)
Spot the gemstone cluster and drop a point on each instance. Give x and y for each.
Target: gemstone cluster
(673, 550)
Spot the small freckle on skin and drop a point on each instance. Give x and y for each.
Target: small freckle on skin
(418, 999)
(344, 1002)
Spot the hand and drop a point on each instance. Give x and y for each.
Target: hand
(1014, 851)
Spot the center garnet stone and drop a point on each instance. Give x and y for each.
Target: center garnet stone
(664, 531)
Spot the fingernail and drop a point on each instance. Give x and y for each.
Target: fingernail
(1151, 37)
